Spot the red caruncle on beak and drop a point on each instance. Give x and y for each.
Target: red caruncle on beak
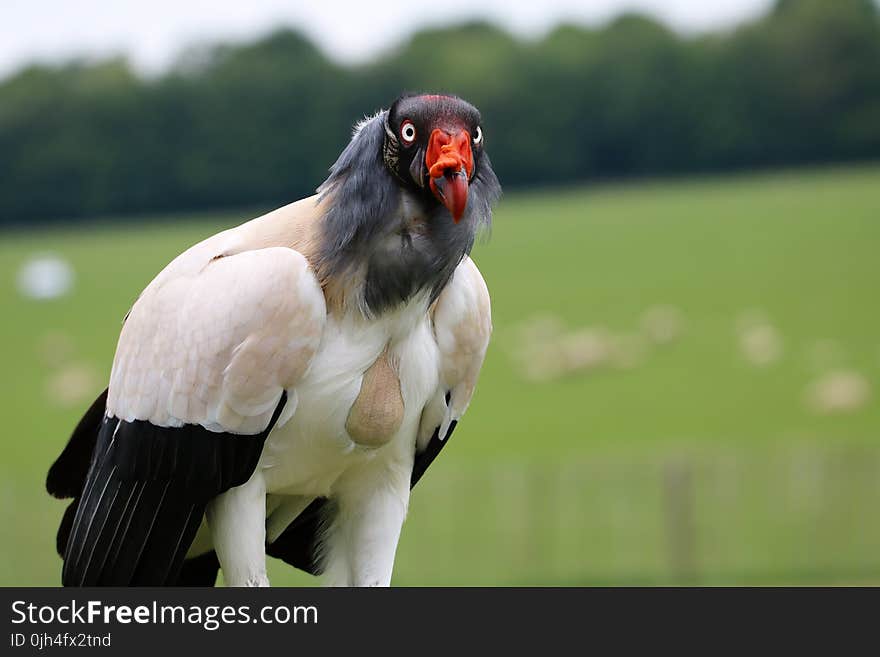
(450, 163)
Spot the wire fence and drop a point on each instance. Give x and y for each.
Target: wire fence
(805, 515)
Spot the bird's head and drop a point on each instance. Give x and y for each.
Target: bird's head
(435, 143)
(406, 197)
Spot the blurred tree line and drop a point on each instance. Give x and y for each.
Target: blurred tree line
(259, 124)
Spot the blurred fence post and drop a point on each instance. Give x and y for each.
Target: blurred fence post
(678, 503)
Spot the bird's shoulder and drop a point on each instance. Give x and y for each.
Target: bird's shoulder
(293, 226)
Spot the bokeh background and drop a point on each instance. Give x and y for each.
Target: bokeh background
(683, 382)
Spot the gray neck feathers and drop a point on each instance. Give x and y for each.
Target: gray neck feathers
(386, 241)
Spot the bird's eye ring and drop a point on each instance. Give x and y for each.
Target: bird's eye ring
(408, 132)
(478, 137)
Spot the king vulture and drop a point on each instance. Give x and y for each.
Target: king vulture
(279, 387)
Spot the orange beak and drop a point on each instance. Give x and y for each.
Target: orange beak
(450, 163)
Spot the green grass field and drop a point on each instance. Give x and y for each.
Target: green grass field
(705, 458)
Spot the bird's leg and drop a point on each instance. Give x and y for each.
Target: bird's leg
(359, 548)
(237, 519)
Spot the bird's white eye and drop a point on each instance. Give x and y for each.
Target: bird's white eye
(408, 132)
(478, 137)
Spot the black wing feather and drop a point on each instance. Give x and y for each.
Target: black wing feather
(432, 449)
(144, 497)
(69, 471)
(67, 474)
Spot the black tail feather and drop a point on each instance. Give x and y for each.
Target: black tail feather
(298, 545)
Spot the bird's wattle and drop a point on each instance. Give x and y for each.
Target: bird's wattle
(450, 164)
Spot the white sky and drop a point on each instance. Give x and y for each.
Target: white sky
(152, 32)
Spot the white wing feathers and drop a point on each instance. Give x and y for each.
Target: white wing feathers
(462, 327)
(215, 338)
